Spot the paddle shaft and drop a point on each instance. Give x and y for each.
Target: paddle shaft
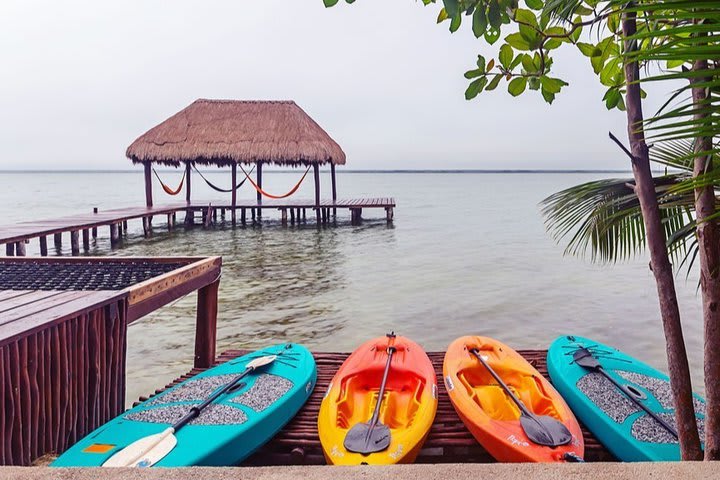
(499, 380)
(636, 401)
(381, 393)
(195, 411)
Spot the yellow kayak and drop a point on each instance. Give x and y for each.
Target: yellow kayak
(406, 412)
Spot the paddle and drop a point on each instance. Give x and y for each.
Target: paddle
(149, 450)
(371, 436)
(585, 359)
(540, 429)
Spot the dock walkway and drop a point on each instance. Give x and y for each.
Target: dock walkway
(15, 236)
(448, 442)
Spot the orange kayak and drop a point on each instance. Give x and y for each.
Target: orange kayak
(491, 415)
(408, 406)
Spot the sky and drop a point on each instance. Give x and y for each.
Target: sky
(81, 80)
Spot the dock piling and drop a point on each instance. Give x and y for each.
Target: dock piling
(86, 239)
(75, 242)
(57, 239)
(20, 248)
(10, 249)
(242, 215)
(94, 229)
(114, 237)
(206, 325)
(43, 246)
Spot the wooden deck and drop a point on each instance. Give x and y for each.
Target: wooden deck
(15, 236)
(449, 441)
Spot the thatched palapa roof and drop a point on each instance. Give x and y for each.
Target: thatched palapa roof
(220, 132)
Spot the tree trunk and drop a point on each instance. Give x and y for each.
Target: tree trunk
(659, 261)
(708, 237)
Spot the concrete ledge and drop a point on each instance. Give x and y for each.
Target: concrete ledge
(470, 471)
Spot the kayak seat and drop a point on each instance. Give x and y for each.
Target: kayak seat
(359, 395)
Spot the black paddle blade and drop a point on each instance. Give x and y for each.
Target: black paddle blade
(544, 430)
(585, 358)
(365, 438)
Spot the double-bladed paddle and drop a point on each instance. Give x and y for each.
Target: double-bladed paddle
(586, 359)
(540, 429)
(371, 436)
(149, 450)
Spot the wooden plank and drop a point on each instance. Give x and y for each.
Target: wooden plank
(30, 298)
(43, 307)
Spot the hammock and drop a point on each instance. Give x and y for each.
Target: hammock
(167, 189)
(269, 195)
(215, 187)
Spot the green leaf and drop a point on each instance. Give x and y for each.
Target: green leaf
(517, 41)
(588, 49)
(493, 14)
(534, 4)
(527, 63)
(442, 16)
(455, 23)
(330, 3)
(552, 44)
(549, 97)
(533, 83)
(609, 72)
(480, 63)
(475, 87)
(526, 17)
(451, 7)
(506, 55)
(479, 23)
(674, 63)
(494, 82)
(470, 74)
(492, 35)
(552, 85)
(517, 86)
(612, 98)
(597, 64)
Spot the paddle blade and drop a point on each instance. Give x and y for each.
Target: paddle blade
(585, 358)
(144, 452)
(544, 430)
(365, 438)
(261, 361)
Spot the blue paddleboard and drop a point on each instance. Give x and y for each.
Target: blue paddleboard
(228, 430)
(620, 425)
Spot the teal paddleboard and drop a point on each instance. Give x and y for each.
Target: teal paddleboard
(228, 430)
(620, 425)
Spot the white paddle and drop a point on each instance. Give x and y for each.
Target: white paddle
(149, 450)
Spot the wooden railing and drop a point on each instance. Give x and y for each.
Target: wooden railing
(63, 353)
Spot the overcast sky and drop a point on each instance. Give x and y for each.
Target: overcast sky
(82, 80)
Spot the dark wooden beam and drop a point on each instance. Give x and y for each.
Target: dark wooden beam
(316, 175)
(259, 183)
(187, 182)
(334, 187)
(148, 185)
(206, 325)
(234, 193)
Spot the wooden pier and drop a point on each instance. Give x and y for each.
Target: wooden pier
(85, 226)
(63, 324)
(448, 442)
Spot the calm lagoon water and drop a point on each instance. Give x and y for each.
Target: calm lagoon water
(467, 254)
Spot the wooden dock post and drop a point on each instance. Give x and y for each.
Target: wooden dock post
(170, 221)
(292, 216)
(86, 239)
(20, 248)
(389, 214)
(242, 215)
(147, 229)
(75, 242)
(148, 185)
(114, 237)
(316, 174)
(233, 201)
(10, 249)
(125, 226)
(283, 213)
(334, 188)
(57, 239)
(206, 325)
(259, 184)
(94, 229)
(43, 246)
(187, 183)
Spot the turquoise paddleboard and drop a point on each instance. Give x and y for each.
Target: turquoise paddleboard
(620, 425)
(227, 431)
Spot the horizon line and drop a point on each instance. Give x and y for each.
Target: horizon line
(422, 170)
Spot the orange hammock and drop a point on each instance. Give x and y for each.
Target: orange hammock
(269, 195)
(167, 189)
